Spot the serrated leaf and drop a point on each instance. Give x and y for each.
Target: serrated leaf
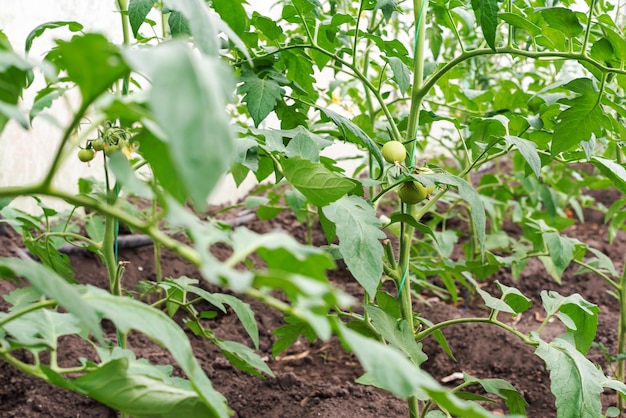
(528, 149)
(260, 95)
(575, 382)
(354, 134)
(320, 185)
(359, 234)
(39, 30)
(576, 124)
(188, 97)
(487, 14)
(137, 12)
(467, 192)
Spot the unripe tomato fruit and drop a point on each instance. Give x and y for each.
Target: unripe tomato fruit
(98, 144)
(394, 151)
(412, 192)
(86, 155)
(108, 151)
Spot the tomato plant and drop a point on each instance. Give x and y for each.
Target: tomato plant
(537, 85)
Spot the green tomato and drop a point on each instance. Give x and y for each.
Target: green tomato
(86, 155)
(394, 151)
(412, 192)
(98, 144)
(111, 149)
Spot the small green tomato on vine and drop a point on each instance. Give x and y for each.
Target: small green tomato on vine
(86, 154)
(394, 152)
(413, 192)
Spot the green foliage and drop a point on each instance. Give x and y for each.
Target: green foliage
(515, 96)
(359, 233)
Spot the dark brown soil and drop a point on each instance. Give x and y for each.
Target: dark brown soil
(317, 380)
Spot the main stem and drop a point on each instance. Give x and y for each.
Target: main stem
(406, 300)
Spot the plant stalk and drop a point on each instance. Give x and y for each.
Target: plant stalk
(620, 374)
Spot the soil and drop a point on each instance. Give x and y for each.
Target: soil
(317, 379)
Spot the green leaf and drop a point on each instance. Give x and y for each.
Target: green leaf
(514, 298)
(49, 283)
(401, 73)
(178, 24)
(520, 22)
(577, 123)
(288, 334)
(389, 369)
(528, 149)
(354, 134)
(486, 12)
(503, 389)
(386, 6)
(267, 26)
(233, 13)
(39, 30)
(397, 333)
(141, 395)
(579, 316)
(188, 99)
(243, 357)
(40, 328)
(137, 12)
(91, 61)
(46, 252)
(617, 41)
(129, 314)
(320, 185)
(561, 251)
(467, 192)
(408, 219)
(14, 73)
(241, 309)
(202, 25)
(575, 382)
(612, 170)
(563, 20)
(490, 301)
(359, 234)
(260, 95)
